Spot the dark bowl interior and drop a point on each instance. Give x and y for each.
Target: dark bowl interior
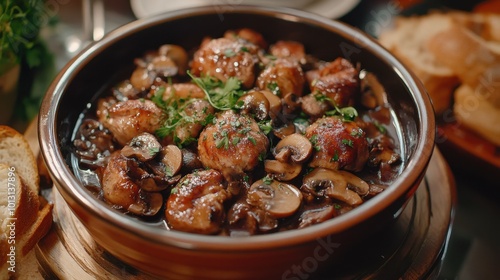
(111, 59)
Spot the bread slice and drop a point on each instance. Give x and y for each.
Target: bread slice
(38, 229)
(17, 201)
(407, 40)
(15, 151)
(20, 200)
(477, 113)
(471, 58)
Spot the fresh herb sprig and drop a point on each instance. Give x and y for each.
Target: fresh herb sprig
(348, 114)
(174, 110)
(222, 96)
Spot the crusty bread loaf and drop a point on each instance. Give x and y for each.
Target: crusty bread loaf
(477, 113)
(407, 40)
(15, 151)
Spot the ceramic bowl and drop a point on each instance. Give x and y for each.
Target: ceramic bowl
(283, 255)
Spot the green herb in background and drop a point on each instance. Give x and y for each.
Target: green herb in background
(20, 43)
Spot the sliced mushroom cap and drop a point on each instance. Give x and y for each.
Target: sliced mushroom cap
(172, 158)
(274, 103)
(282, 171)
(295, 147)
(144, 147)
(254, 103)
(336, 184)
(190, 161)
(148, 205)
(142, 78)
(278, 198)
(177, 54)
(290, 103)
(284, 131)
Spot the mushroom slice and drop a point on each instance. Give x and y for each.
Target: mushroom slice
(177, 54)
(281, 170)
(148, 205)
(254, 103)
(336, 184)
(278, 198)
(144, 147)
(294, 146)
(284, 131)
(274, 103)
(172, 158)
(290, 103)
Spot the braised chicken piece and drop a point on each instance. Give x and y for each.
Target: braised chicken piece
(338, 144)
(232, 144)
(196, 203)
(288, 49)
(282, 77)
(337, 80)
(248, 35)
(122, 191)
(128, 118)
(223, 58)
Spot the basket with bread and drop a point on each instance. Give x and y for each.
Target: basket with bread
(25, 216)
(457, 57)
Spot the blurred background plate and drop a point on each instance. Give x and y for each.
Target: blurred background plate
(327, 8)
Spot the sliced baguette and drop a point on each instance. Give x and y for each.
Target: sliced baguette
(25, 203)
(38, 229)
(16, 151)
(407, 41)
(477, 113)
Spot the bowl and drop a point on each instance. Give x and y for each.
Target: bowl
(178, 255)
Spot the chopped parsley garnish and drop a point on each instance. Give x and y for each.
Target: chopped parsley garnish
(153, 151)
(222, 96)
(274, 88)
(335, 157)
(321, 97)
(348, 142)
(348, 114)
(380, 127)
(267, 180)
(229, 52)
(265, 126)
(314, 141)
(251, 139)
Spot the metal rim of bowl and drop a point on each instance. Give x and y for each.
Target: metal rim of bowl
(70, 187)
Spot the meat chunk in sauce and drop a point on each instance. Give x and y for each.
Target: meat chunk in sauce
(196, 203)
(338, 80)
(338, 144)
(233, 144)
(129, 118)
(223, 58)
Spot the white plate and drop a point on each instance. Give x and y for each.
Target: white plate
(328, 8)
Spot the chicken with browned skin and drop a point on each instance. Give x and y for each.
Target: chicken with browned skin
(196, 203)
(233, 144)
(223, 58)
(129, 118)
(338, 144)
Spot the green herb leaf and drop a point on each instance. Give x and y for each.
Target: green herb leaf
(222, 96)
